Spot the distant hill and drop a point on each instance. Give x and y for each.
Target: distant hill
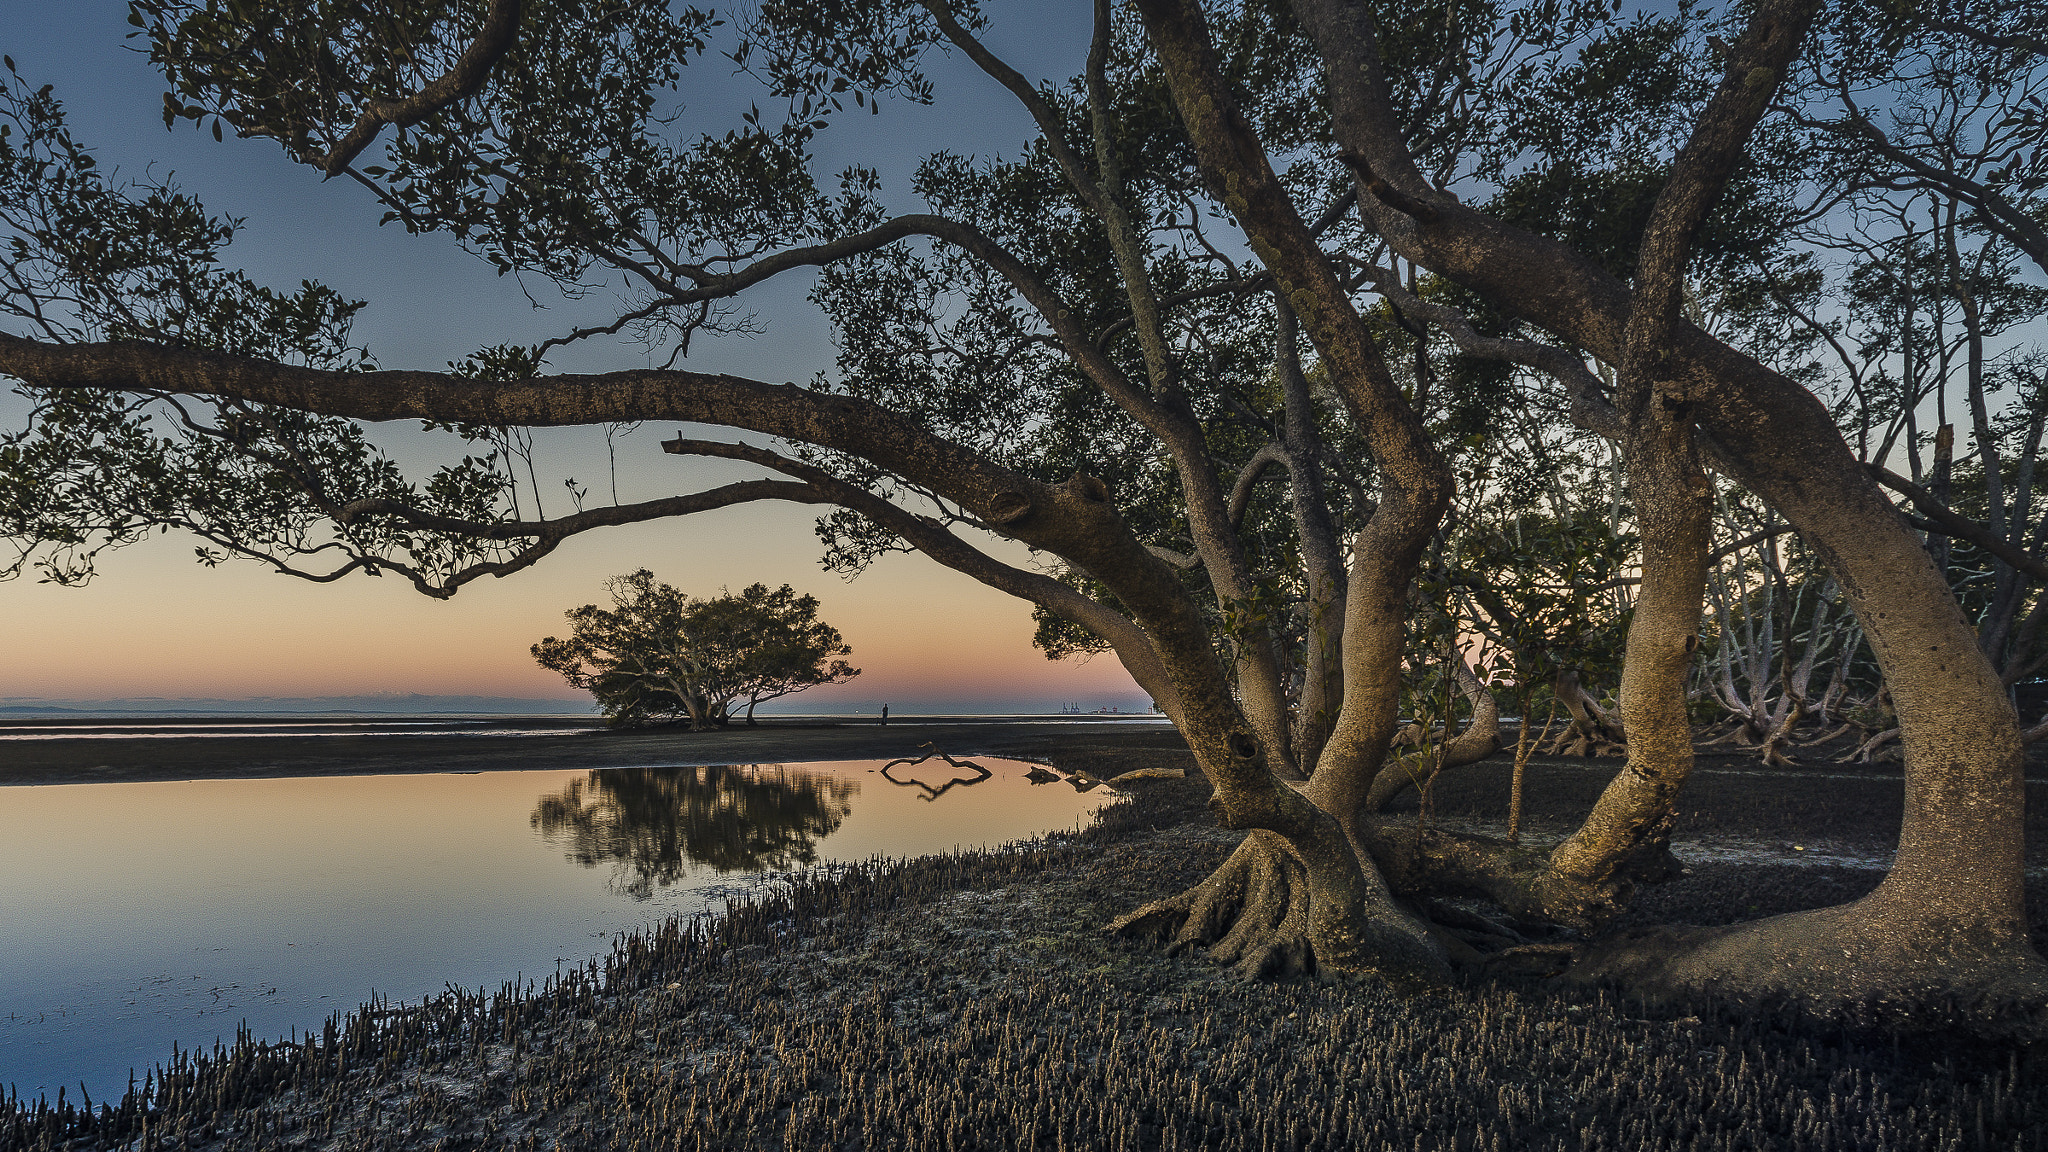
(391, 704)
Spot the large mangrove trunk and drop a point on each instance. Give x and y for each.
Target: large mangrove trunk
(1948, 917)
(1629, 829)
(1253, 909)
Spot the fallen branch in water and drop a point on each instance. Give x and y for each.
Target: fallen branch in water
(932, 793)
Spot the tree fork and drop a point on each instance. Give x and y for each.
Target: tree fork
(1480, 739)
(1363, 930)
(1956, 881)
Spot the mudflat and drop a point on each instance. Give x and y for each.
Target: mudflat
(62, 758)
(972, 1001)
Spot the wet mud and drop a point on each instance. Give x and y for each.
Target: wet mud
(78, 760)
(973, 1002)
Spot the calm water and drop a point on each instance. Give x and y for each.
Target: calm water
(135, 916)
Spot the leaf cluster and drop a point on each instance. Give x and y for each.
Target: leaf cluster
(659, 654)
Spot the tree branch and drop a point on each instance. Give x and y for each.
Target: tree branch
(1999, 214)
(1591, 410)
(724, 496)
(1042, 113)
(1248, 478)
(931, 538)
(1180, 560)
(465, 79)
(1962, 528)
(1756, 65)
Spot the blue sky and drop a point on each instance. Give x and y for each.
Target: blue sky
(155, 624)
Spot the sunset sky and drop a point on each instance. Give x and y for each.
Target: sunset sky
(156, 624)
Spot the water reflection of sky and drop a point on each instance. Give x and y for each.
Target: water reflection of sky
(133, 916)
(294, 728)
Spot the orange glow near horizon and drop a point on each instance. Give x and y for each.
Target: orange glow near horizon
(156, 624)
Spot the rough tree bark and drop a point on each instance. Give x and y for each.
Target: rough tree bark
(1347, 921)
(1250, 908)
(1949, 913)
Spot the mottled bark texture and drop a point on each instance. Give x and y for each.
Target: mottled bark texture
(1415, 492)
(1314, 886)
(1629, 829)
(1949, 913)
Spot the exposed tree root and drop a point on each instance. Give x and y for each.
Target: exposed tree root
(1865, 752)
(2035, 734)
(1583, 741)
(1593, 731)
(1771, 744)
(1517, 878)
(1251, 914)
(1742, 733)
(1827, 737)
(1780, 737)
(934, 753)
(1254, 915)
(1873, 962)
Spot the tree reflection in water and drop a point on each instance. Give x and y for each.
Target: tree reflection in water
(651, 824)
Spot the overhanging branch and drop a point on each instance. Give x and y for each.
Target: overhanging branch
(465, 79)
(932, 538)
(726, 496)
(1960, 527)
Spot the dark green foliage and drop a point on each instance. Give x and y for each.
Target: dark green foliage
(658, 654)
(557, 165)
(1547, 588)
(576, 159)
(86, 256)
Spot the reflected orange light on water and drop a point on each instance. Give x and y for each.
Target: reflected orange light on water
(143, 914)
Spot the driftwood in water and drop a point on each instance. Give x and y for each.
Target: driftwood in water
(1148, 774)
(932, 793)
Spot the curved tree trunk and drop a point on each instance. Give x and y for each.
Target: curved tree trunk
(1480, 739)
(1304, 890)
(1629, 829)
(1260, 912)
(1950, 912)
(1348, 922)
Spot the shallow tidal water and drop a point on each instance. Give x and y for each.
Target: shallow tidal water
(141, 915)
